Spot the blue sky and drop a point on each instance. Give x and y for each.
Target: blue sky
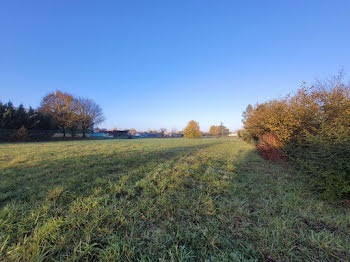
(153, 64)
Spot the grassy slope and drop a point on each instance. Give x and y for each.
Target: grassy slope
(160, 199)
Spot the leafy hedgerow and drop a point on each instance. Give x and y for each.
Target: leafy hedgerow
(325, 163)
(269, 147)
(311, 129)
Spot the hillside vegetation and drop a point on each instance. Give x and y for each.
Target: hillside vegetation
(160, 200)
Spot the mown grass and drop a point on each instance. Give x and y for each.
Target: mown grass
(160, 200)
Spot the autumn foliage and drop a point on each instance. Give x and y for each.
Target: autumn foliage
(61, 106)
(192, 130)
(70, 113)
(20, 135)
(311, 129)
(220, 130)
(269, 147)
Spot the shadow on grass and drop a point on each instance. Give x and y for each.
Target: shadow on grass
(221, 204)
(79, 175)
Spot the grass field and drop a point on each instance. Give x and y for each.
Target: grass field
(161, 200)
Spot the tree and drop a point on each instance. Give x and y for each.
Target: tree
(20, 116)
(245, 113)
(192, 130)
(7, 116)
(213, 130)
(88, 114)
(61, 106)
(220, 130)
(15, 117)
(76, 117)
(223, 130)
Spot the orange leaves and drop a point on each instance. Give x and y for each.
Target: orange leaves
(269, 147)
(305, 112)
(60, 106)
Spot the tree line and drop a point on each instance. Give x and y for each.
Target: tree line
(310, 129)
(192, 130)
(15, 117)
(71, 113)
(58, 110)
(220, 130)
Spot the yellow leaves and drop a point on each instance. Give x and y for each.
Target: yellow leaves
(60, 105)
(302, 113)
(213, 130)
(192, 130)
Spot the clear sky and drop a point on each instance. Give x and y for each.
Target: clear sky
(153, 64)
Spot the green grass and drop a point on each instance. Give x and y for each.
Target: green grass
(160, 200)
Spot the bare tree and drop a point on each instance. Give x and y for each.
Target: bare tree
(89, 114)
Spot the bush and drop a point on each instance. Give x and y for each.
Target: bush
(269, 147)
(310, 129)
(324, 163)
(20, 135)
(246, 136)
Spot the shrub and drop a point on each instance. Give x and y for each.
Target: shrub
(20, 135)
(246, 136)
(312, 130)
(324, 163)
(269, 147)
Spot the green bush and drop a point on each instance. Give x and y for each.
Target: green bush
(246, 136)
(325, 163)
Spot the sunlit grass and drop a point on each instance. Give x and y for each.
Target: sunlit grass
(160, 200)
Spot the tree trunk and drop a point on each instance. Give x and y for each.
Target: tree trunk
(64, 132)
(83, 130)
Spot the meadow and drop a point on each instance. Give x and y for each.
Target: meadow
(161, 200)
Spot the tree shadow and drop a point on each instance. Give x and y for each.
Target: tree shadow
(80, 175)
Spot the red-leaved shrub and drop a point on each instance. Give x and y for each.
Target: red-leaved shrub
(269, 147)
